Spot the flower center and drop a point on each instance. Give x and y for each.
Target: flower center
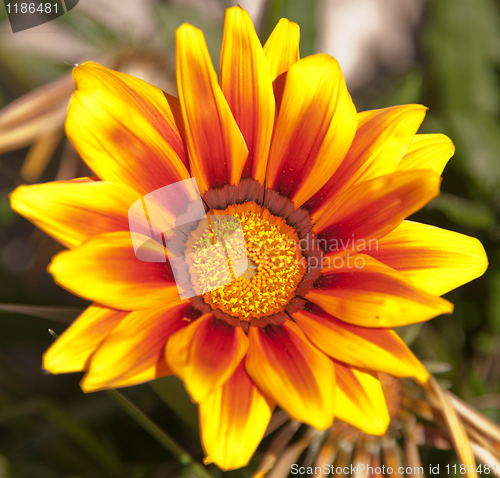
(273, 260)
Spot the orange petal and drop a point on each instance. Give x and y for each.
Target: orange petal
(380, 350)
(427, 151)
(282, 47)
(217, 150)
(368, 211)
(381, 140)
(362, 291)
(160, 109)
(233, 421)
(119, 143)
(72, 350)
(288, 368)
(246, 84)
(360, 400)
(73, 211)
(134, 351)
(315, 127)
(205, 354)
(434, 259)
(104, 269)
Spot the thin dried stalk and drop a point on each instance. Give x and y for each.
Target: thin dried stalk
(455, 427)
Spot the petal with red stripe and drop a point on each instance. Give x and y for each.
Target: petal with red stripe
(216, 148)
(368, 211)
(376, 349)
(161, 110)
(105, 269)
(381, 140)
(298, 376)
(435, 259)
(233, 421)
(205, 354)
(133, 352)
(246, 84)
(362, 291)
(119, 143)
(315, 127)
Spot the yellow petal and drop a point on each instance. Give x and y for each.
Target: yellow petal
(360, 400)
(298, 376)
(246, 84)
(435, 259)
(72, 350)
(133, 352)
(427, 151)
(73, 211)
(282, 47)
(233, 421)
(105, 269)
(217, 150)
(315, 127)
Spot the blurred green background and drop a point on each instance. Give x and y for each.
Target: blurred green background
(444, 54)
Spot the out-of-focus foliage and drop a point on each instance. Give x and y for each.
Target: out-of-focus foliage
(50, 429)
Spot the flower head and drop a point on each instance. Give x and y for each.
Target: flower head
(321, 192)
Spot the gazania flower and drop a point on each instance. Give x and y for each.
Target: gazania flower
(321, 193)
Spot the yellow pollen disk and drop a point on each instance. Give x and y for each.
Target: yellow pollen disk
(273, 271)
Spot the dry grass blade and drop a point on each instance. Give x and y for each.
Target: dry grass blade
(64, 315)
(276, 448)
(24, 134)
(482, 440)
(279, 418)
(475, 418)
(35, 114)
(411, 451)
(36, 102)
(40, 154)
(457, 431)
(391, 456)
(431, 438)
(328, 451)
(291, 455)
(484, 456)
(361, 457)
(343, 457)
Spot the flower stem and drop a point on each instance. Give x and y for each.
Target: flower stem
(159, 434)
